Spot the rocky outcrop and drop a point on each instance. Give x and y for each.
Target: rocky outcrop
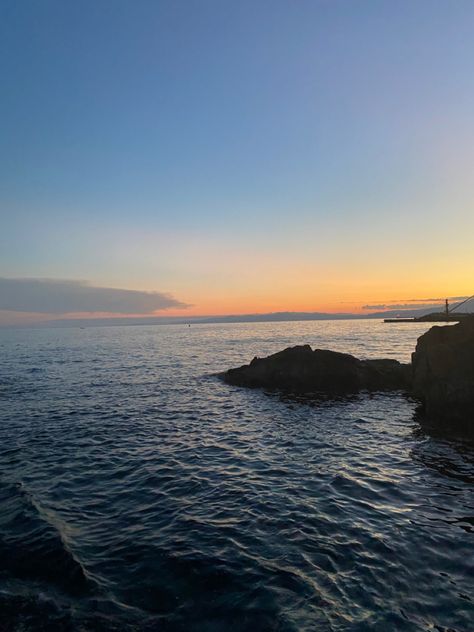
(302, 370)
(443, 373)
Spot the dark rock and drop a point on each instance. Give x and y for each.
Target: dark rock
(300, 369)
(443, 373)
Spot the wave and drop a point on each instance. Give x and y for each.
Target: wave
(31, 548)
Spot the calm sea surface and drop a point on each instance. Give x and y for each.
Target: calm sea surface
(139, 492)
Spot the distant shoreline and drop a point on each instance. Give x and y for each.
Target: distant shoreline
(277, 317)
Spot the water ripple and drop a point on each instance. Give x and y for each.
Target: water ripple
(138, 492)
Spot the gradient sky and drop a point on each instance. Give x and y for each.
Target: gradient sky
(239, 156)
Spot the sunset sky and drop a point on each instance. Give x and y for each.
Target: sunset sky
(234, 156)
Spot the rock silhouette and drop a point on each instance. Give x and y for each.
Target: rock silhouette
(443, 373)
(441, 376)
(302, 370)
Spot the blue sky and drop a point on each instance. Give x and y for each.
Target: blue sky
(221, 150)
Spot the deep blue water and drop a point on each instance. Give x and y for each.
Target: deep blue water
(139, 492)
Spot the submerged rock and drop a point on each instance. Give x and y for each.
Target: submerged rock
(300, 369)
(443, 373)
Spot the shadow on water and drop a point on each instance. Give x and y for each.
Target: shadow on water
(450, 428)
(448, 461)
(313, 400)
(450, 455)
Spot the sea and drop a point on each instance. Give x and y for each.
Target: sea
(140, 492)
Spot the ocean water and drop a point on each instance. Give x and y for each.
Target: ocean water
(139, 492)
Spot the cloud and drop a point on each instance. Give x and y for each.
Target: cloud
(418, 303)
(441, 299)
(381, 306)
(51, 296)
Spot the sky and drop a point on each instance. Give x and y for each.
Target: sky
(223, 157)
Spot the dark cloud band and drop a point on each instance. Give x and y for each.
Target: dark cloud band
(418, 303)
(52, 296)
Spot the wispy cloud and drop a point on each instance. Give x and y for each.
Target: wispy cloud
(54, 296)
(439, 299)
(411, 303)
(417, 305)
